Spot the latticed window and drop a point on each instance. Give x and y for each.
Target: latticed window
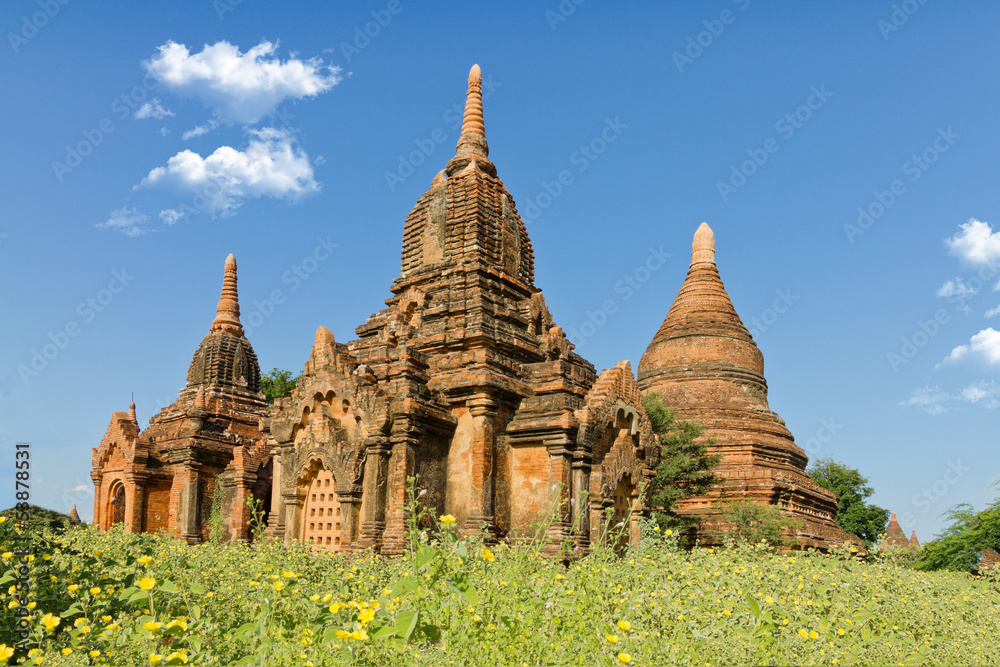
(321, 518)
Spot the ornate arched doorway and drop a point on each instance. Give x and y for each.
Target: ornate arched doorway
(621, 520)
(116, 505)
(321, 512)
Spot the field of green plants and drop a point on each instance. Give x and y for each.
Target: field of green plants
(122, 599)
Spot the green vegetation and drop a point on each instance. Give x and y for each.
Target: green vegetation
(754, 522)
(685, 466)
(40, 519)
(136, 599)
(960, 546)
(278, 383)
(855, 516)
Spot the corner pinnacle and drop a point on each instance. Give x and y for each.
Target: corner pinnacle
(703, 246)
(227, 318)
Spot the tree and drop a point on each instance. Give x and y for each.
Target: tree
(851, 488)
(278, 384)
(960, 546)
(685, 466)
(754, 522)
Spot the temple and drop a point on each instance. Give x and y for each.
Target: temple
(209, 440)
(462, 391)
(895, 537)
(704, 364)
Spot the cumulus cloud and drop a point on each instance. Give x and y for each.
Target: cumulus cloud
(929, 399)
(270, 166)
(976, 243)
(169, 216)
(239, 87)
(153, 109)
(993, 312)
(984, 346)
(128, 222)
(86, 489)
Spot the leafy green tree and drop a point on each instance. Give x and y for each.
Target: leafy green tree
(852, 489)
(685, 466)
(278, 383)
(960, 546)
(754, 522)
(40, 518)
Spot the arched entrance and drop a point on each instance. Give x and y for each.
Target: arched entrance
(621, 520)
(116, 505)
(321, 512)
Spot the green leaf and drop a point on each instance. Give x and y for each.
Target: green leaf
(460, 582)
(754, 605)
(330, 635)
(406, 622)
(138, 595)
(127, 593)
(7, 577)
(197, 589)
(404, 585)
(387, 631)
(168, 586)
(425, 555)
(244, 629)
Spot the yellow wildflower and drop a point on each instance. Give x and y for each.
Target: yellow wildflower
(366, 615)
(624, 657)
(152, 626)
(611, 639)
(147, 583)
(448, 520)
(145, 560)
(51, 622)
(624, 625)
(6, 652)
(488, 555)
(155, 658)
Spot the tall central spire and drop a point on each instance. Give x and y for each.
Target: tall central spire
(227, 318)
(472, 142)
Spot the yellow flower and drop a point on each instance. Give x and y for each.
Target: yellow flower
(366, 615)
(178, 654)
(813, 634)
(94, 653)
(336, 606)
(78, 622)
(624, 657)
(447, 520)
(147, 583)
(288, 575)
(488, 555)
(611, 639)
(341, 634)
(6, 652)
(803, 634)
(51, 622)
(152, 626)
(624, 625)
(2, 519)
(360, 635)
(67, 651)
(769, 599)
(6, 555)
(95, 590)
(155, 658)
(840, 631)
(477, 618)
(278, 585)
(145, 560)
(72, 588)
(668, 532)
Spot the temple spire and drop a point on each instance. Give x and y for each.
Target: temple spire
(227, 318)
(472, 142)
(703, 246)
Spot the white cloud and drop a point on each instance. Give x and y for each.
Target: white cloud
(240, 87)
(975, 243)
(930, 399)
(984, 393)
(993, 312)
(270, 166)
(164, 131)
(169, 216)
(957, 288)
(127, 222)
(985, 345)
(153, 109)
(86, 489)
(199, 130)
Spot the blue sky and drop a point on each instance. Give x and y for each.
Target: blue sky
(846, 155)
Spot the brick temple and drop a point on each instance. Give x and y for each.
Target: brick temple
(465, 382)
